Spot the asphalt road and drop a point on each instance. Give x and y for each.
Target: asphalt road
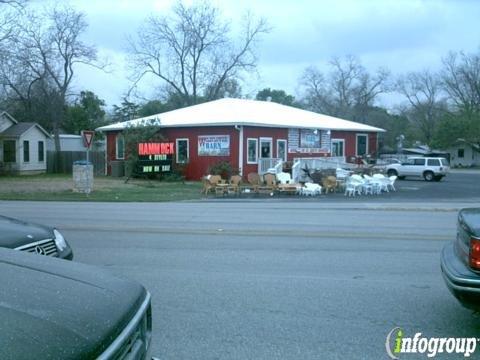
(274, 279)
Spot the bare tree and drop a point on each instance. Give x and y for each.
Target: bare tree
(42, 56)
(461, 81)
(348, 90)
(191, 51)
(425, 102)
(8, 14)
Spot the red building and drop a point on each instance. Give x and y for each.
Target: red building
(249, 134)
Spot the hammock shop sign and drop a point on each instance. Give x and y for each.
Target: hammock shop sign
(154, 158)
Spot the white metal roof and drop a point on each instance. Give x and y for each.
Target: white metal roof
(244, 112)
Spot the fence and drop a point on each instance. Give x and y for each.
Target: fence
(63, 164)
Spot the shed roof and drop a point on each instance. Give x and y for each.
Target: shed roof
(244, 112)
(20, 128)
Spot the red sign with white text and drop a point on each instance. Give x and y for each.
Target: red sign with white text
(155, 149)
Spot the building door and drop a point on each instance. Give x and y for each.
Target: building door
(266, 148)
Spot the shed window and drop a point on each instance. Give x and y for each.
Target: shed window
(9, 151)
(26, 151)
(182, 151)
(461, 153)
(252, 146)
(41, 153)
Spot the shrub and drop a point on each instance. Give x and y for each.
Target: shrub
(223, 168)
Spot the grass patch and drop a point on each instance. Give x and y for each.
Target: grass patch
(58, 187)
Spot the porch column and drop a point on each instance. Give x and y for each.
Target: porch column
(240, 150)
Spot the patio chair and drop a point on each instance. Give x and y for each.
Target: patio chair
(270, 185)
(384, 181)
(391, 183)
(310, 189)
(254, 182)
(284, 178)
(375, 184)
(210, 182)
(353, 185)
(234, 184)
(341, 175)
(286, 184)
(329, 183)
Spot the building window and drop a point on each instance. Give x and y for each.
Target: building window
(362, 145)
(41, 153)
(182, 155)
(9, 153)
(26, 151)
(461, 153)
(338, 147)
(252, 150)
(120, 148)
(282, 149)
(266, 148)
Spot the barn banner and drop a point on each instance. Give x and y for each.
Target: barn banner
(214, 145)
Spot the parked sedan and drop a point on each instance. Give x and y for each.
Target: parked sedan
(54, 309)
(34, 238)
(460, 260)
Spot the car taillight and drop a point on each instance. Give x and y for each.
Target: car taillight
(474, 258)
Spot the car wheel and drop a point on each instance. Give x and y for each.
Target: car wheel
(392, 172)
(428, 176)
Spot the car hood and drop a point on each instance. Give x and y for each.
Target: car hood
(51, 308)
(470, 217)
(15, 232)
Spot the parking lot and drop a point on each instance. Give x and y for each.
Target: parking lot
(280, 278)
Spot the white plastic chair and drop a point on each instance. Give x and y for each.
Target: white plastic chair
(384, 182)
(353, 186)
(284, 178)
(311, 189)
(391, 183)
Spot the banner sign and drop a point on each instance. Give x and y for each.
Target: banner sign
(214, 145)
(306, 141)
(155, 158)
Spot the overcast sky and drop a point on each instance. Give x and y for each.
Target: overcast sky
(401, 35)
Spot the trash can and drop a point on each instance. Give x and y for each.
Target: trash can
(82, 176)
(118, 168)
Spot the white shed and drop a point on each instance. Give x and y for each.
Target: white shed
(23, 146)
(464, 154)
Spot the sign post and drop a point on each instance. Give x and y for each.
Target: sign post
(87, 136)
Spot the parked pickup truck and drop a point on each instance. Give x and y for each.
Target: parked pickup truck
(430, 168)
(56, 309)
(460, 260)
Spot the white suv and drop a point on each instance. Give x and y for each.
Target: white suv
(430, 168)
